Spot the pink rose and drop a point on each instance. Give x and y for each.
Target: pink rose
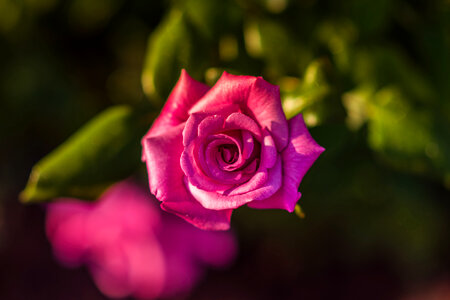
(212, 150)
(130, 247)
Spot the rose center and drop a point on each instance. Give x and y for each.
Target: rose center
(229, 153)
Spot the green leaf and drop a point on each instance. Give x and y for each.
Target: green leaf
(382, 66)
(213, 18)
(312, 89)
(174, 45)
(104, 151)
(271, 41)
(408, 137)
(340, 38)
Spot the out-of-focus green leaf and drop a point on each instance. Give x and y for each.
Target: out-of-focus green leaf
(173, 46)
(386, 65)
(213, 18)
(312, 89)
(105, 150)
(339, 38)
(408, 137)
(272, 42)
(10, 13)
(356, 102)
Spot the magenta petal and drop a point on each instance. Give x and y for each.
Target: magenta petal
(190, 131)
(248, 144)
(184, 95)
(257, 98)
(162, 155)
(269, 152)
(216, 201)
(298, 157)
(209, 125)
(265, 104)
(284, 198)
(223, 139)
(228, 90)
(261, 179)
(242, 122)
(199, 216)
(195, 174)
(216, 167)
(302, 150)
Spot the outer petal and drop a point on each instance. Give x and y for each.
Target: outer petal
(184, 95)
(162, 155)
(256, 97)
(265, 104)
(298, 157)
(228, 90)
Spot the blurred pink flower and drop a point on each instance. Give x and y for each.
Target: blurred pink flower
(132, 248)
(212, 150)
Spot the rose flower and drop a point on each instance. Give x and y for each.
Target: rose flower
(212, 150)
(131, 247)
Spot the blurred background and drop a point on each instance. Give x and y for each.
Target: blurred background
(370, 77)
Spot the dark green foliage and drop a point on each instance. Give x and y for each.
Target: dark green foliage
(104, 151)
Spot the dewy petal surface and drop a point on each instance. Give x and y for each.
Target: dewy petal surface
(162, 155)
(298, 157)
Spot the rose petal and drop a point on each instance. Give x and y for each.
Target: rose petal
(216, 201)
(210, 125)
(224, 139)
(268, 151)
(256, 98)
(248, 144)
(298, 157)
(162, 155)
(204, 172)
(196, 173)
(269, 157)
(199, 216)
(265, 104)
(184, 95)
(190, 130)
(238, 121)
(228, 90)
